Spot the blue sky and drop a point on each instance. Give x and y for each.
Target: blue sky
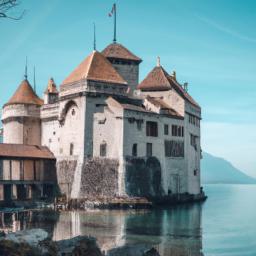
(210, 44)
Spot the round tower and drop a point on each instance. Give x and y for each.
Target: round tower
(21, 117)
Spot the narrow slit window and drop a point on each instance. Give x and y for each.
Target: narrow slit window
(103, 149)
(134, 149)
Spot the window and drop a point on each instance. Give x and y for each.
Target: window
(21, 170)
(10, 166)
(71, 149)
(34, 170)
(194, 120)
(151, 129)
(103, 149)
(73, 112)
(177, 131)
(174, 148)
(166, 129)
(195, 172)
(149, 149)
(134, 149)
(193, 140)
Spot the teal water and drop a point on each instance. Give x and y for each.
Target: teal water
(229, 220)
(224, 225)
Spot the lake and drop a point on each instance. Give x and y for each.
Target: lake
(223, 225)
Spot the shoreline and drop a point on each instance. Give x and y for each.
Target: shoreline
(117, 203)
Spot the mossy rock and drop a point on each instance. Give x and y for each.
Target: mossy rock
(10, 248)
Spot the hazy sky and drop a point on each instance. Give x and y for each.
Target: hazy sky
(210, 44)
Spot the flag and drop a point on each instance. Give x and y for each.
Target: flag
(112, 10)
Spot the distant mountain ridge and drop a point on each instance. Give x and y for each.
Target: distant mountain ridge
(216, 170)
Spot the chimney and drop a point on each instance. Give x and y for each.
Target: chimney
(158, 61)
(185, 87)
(174, 74)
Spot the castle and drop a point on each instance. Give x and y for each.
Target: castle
(110, 134)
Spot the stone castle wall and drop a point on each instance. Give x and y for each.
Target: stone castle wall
(99, 178)
(65, 175)
(129, 72)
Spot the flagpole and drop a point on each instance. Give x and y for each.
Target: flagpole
(26, 69)
(34, 79)
(114, 40)
(94, 37)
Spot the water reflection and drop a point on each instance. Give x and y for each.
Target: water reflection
(175, 231)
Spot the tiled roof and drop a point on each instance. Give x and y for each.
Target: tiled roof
(159, 80)
(95, 67)
(137, 105)
(51, 87)
(179, 89)
(127, 103)
(25, 95)
(118, 51)
(24, 151)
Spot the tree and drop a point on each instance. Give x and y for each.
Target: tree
(8, 5)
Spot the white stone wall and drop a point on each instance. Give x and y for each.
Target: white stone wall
(72, 126)
(115, 129)
(108, 129)
(193, 156)
(51, 136)
(171, 167)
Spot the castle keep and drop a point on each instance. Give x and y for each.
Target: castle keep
(110, 134)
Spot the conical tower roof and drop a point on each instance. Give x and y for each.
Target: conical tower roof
(118, 51)
(51, 86)
(97, 68)
(25, 95)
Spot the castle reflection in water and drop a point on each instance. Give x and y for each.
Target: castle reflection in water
(176, 231)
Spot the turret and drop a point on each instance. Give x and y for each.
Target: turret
(51, 93)
(21, 116)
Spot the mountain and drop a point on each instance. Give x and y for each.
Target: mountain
(218, 170)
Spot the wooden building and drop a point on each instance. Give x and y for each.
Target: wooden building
(27, 172)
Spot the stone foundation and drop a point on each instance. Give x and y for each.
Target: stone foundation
(143, 177)
(65, 173)
(99, 178)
